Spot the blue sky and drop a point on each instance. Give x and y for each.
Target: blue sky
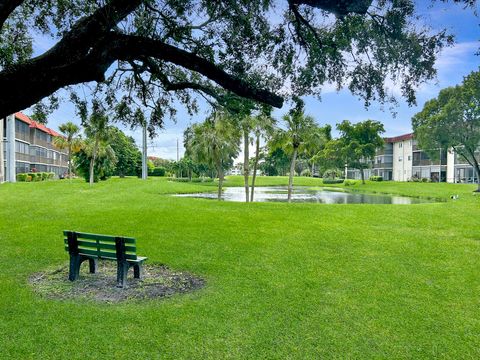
(453, 64)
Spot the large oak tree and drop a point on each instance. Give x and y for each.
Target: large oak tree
(152, 52)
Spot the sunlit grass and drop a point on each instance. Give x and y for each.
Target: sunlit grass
(283, 280)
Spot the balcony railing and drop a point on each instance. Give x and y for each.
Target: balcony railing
(383, 165)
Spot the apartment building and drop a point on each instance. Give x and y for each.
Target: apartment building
(401, 159)
(27, 146)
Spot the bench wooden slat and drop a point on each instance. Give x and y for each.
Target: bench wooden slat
(97, 244)
(102, 254)
(109, 238)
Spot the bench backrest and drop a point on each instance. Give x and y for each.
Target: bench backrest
(101, 246)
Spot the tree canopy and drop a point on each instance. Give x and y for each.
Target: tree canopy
(154, 53)
(452, 121)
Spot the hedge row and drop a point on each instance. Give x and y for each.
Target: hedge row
(332, 181)
(193, 180)
(376, 178)
(158, 171)
(37, 176)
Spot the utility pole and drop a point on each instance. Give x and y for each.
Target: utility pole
(144, 152)
(178, 157)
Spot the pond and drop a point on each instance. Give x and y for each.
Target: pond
(311, 195)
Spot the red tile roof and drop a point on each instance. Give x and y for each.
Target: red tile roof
(399, 138)
(33, 124)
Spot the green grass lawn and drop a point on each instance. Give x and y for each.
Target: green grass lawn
(284, 281)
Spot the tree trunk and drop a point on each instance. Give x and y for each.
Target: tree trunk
(255, 164)
(362, 176)
(245, 163)
(292, 172)
(70, 163)
(477, 171)
(220, 181)
(313, 168)
(92, 162)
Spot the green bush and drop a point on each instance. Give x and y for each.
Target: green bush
(349, 182)
(158, 171)
(376, 178)
(425, 180)
(22, 177)
(332, 174)
(29, 178)
(51, 175)
(43, 176)
(306, 172)
(193, 180)
(35, 176)
(332, 181)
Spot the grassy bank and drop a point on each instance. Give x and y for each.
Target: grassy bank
(283, 280)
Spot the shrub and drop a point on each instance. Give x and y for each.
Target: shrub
(35, 176)
(376, 178)
(51, 175)
(425, 180)
(22, 177)
(349, 182)
(158, 171)
(29, 178)
(332, 181)
(332, 174)
(43, 176)
(193, 180)
(306, 172)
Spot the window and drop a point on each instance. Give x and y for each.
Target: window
(400, 144)
(400, 158)
(21, 148)
(409, 158)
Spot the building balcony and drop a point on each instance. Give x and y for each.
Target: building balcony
(23, 157)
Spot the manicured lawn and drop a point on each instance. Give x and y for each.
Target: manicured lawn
(283, 280)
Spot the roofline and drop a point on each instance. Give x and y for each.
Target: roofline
(36, 125)
(399, 138)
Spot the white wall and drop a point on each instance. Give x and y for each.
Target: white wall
(402, 160)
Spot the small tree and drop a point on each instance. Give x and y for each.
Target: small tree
(127, 154)
(215, 142)
(70, 140)
(358, 143)
(263, 126)
(98, 131)
(296, 137)
(452, 121)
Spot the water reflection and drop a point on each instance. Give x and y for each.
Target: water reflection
(310, 195)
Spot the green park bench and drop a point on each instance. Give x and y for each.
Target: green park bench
(91, 247)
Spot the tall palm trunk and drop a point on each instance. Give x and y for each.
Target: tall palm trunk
(70, 163)
(245, 163)
(92, 161)
(255, 164)
(313, 169)
(292, 171)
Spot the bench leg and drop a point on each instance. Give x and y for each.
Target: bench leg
(93, 265)
(122, 271)
(137, 271)
(74, 269)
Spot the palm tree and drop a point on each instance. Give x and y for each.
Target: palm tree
(70, 140)
(214, 142)
(296, 137)
(263, 126)
(98, 132)
(246, 124)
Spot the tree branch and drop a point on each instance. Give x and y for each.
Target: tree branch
(6, 8)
